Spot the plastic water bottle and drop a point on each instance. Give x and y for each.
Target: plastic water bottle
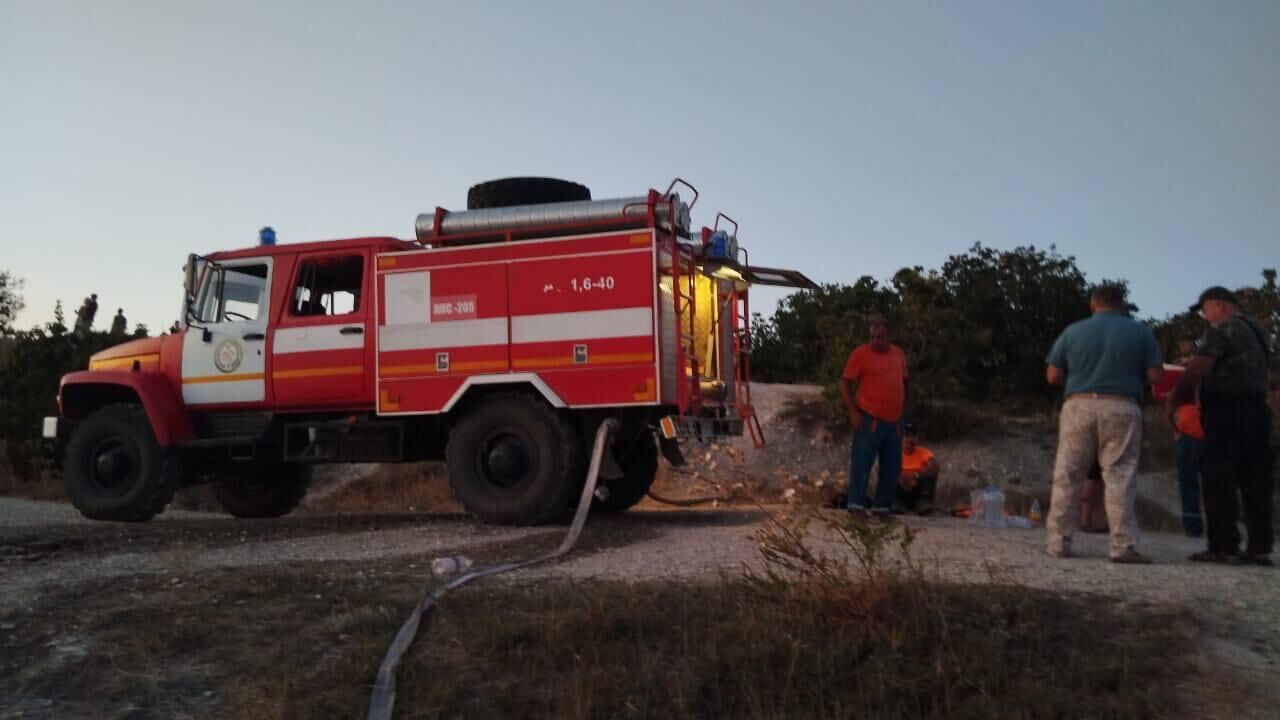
(975, 506)
(993, 508)
(450, 565)
(1035, 515)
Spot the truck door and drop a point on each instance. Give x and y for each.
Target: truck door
(224, 354)
(320, 351)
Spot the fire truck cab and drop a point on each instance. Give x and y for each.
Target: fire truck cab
(497, 340)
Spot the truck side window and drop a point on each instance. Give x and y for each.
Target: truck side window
(234, 294)
(328, 286)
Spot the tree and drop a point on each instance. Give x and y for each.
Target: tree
(10, 301)
(977, 329)
(1015, 303)
(811, 331)
(32, 362)
(59, 324)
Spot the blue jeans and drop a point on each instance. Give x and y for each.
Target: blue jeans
(882, 440)
(1190, 454)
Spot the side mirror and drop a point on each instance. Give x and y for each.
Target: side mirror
(189, 287)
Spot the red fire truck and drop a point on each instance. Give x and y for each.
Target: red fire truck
(498, 340)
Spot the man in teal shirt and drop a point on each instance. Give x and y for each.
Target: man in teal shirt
(1103, 362)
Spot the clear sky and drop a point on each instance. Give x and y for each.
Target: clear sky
(847, 138)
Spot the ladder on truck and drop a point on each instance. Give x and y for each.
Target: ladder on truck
(740, 311)
(683, 272)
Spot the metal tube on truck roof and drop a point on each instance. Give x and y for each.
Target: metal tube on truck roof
(526, 216)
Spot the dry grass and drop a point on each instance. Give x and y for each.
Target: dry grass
(851, 632)
(39, 482)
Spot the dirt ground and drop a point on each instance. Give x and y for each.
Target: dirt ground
(48, 557)
(65, 583)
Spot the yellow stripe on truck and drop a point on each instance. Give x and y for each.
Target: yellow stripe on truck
(124, 362)
(592, 360)
(221, 378)
(389, 371)
(317, 372)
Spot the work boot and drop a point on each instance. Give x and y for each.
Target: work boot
(1131, 557)
(1213, 556)
(1059, 547)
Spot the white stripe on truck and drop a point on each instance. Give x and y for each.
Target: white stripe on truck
(452, 334)
(312, 339)
(589, 324)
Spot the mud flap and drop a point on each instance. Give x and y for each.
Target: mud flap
(670, 450)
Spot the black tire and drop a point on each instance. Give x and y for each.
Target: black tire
(639, 468)
(514, 461)
(115, 470)
(524, 191)
(263, 490)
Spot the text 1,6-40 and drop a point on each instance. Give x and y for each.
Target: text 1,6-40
(604, 282)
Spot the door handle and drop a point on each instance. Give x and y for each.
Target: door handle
(254, 336)
(352, 330)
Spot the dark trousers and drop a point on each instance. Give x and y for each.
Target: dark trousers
(1190, 455)
(920, 497)
(879, 440)
(1237, 461)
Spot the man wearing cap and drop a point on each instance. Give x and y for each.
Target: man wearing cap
(1232, 365)
(1103, 362)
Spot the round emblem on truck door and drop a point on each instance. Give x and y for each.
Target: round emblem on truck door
(227, 356)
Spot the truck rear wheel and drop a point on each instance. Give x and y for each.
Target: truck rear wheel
(524, 191)
(639, 468)
(514, 461)
(115, 469)
(263, 490)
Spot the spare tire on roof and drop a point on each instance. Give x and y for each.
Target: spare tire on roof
(524, 191)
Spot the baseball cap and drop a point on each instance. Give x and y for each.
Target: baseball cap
(1217, 292)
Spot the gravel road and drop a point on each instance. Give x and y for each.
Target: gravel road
(44, 544)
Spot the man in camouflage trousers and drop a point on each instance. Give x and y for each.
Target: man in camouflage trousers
(1233, 367)
(1103, 362)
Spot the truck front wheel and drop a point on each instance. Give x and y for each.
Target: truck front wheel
(514, 461)
(114, 468)
(263, 490)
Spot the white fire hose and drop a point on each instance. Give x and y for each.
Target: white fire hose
(382, 703)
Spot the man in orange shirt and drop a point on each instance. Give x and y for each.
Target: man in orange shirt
(873, 386)
(919, 477)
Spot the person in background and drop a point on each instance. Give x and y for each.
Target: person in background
(919, 478)
(1232, 367)
(86, 313)
(1093, 503)
(1105, 362)
(119, 326)
(1189, 456)
(873, 387)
